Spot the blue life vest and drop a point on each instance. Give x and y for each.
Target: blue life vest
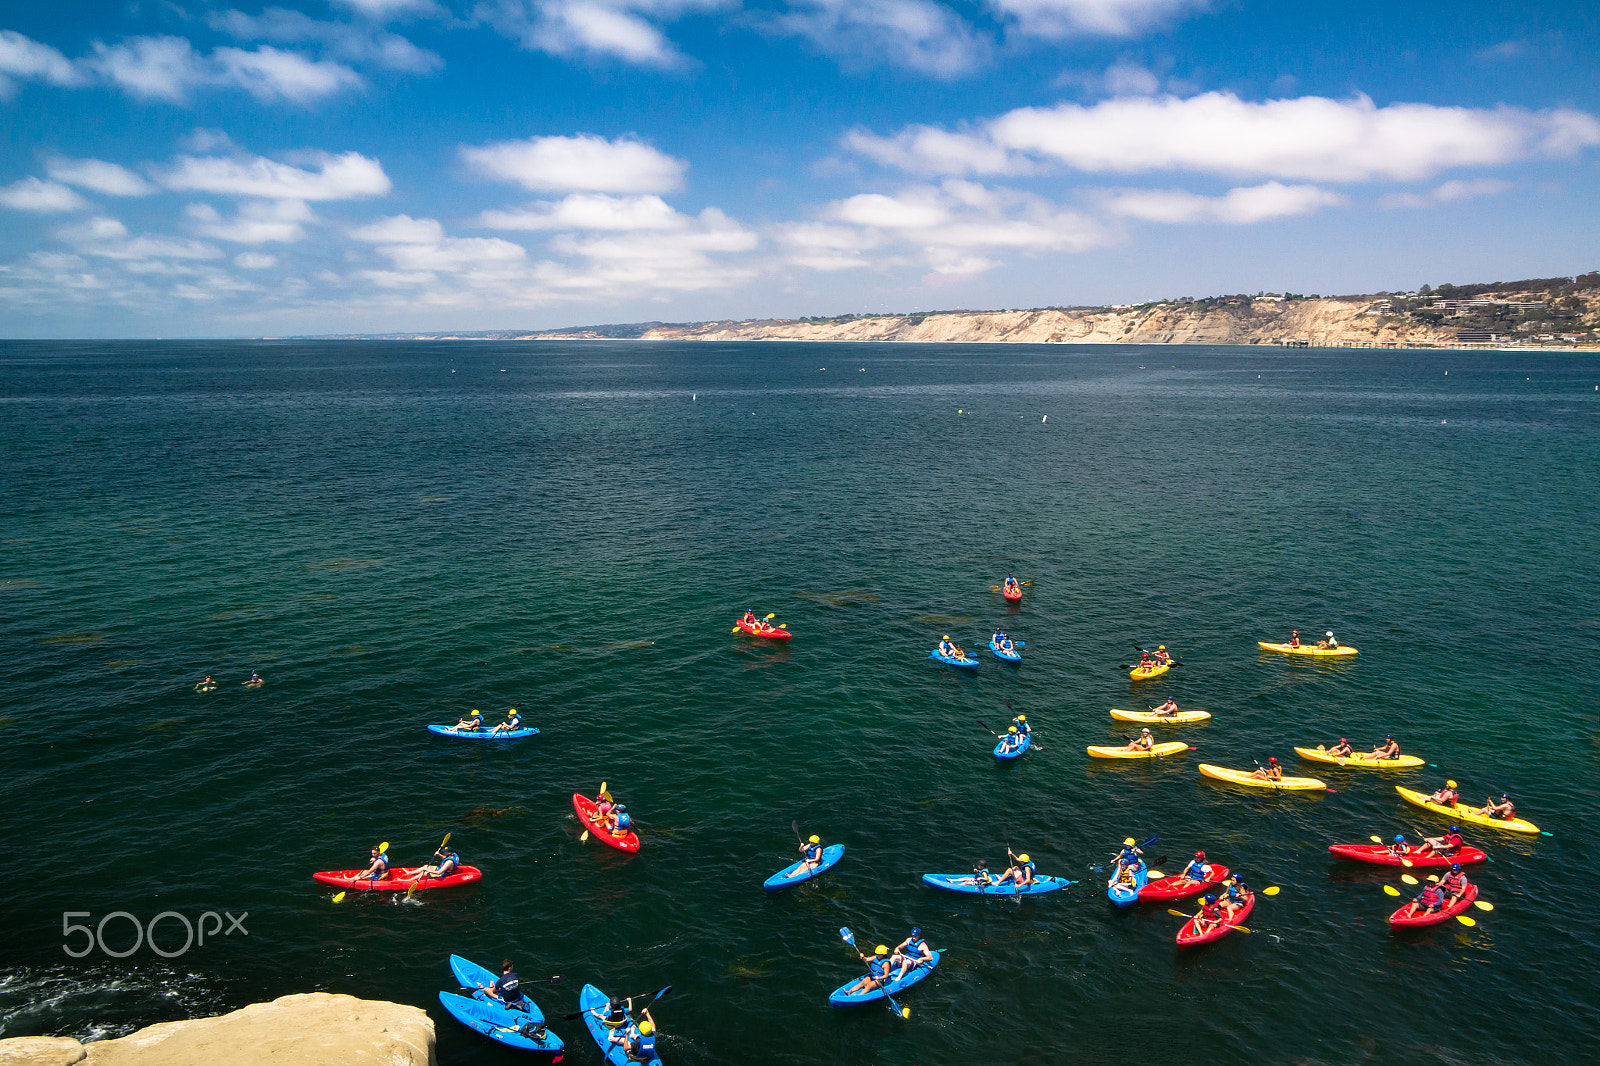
(1235, 892)
(1196, 870)
(813, 852)
(914, 947)
(453, 859)
(877, 967)
(623, 821)
(383, 861)
(514, 720)
(645, 1048)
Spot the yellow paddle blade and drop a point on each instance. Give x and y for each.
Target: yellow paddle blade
(785, 625)
(1407, 863)
(773, 615)
(1483, 904)
(1273, 891)
(1390, 890)
(584, 839)
(1375, 838)
(1464, 920)
(602, 787)
(339, 897)
(384, 847)
(1240, 929)
(1408, 879)
(905, 1012)
(1178, 914)
(736, 629)
(1155, 875)
(445, 841)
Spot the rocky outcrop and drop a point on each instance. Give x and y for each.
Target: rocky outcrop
(313, 1029)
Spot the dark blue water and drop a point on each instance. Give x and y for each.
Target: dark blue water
(394, 534)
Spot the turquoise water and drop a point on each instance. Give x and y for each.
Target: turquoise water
(393, 534)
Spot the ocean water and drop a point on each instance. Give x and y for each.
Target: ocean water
(396, 533)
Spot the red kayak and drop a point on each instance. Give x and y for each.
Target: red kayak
(1381, 855)
(1188, 938)
(1405, 918)
(1169, 888)
(588, 814)
(769, 633)
(399, 880)
(1010, 595)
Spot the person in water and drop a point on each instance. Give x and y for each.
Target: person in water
(910, 953)
(1210, 915)
(1198, 872)
(1446, 844)
(638, 1041)
(471, 723)
(449, 862)
(256, 680)
(1446, 795)
(1454, 885)
(877, 971)
(1389, 749)
(1504, 810)
(1294, 639)
(1143, 742)
(507, 988)
(811, 857)
(1166, 710)
(513, 722)
(378, 869)
(1012, 741)
(205, 686)
(1021, 872)
(1270, 772)
(1328, 643)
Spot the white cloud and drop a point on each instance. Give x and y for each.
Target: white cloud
(386, 9)
(1112, 18)
(161, 68)
(44, 197)
(1236, 207)
(400, 229)
(203, 141)
(108, 238)
(256, 223)
(1130, 79)
(269, 74)
(336, 177)
(254, 261)
(918, 34)
(341, 40)
(620, 29)
(1448, 192)
(98, 175)
(1312, 137)
(585, 163)
(820, 246)
(590, 211)
(26, 59)
(169, 68)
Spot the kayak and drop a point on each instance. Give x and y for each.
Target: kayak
(1145, 673)
(482, 1013)
(1008, 656)
(1243, 777)
(1160, 719)
(482, 734)
(1012, 595)
(965, 664)
(782, 879)
(1042, 883)
(1169, 888)
(588, 814)
(1188, 938)
(592, 1002)
(1466, 814)
(1305, 649)
(1027, 742)
(1405, 918)
(1124, 893)
(399, 880)
(1362, 759)
(770, 633)
(840, 998)
(1380, 854)
(1171, 747)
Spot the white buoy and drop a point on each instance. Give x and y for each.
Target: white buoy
(1046, 418)
(1447, 373)
(863, 370)
(694, 396)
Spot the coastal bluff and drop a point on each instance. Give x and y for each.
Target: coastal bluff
(309, 1029)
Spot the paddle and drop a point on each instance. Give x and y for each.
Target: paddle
(584, 839)
(579, 1014)
(465, 991)
(795, 825)
(1146, 844)
(423, 876)
(383, 849)
(1191, 917)
(850, 938)
(1464, 920)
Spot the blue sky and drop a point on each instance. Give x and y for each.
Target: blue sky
(176, 168)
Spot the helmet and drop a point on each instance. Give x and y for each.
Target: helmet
(1211, 897)
(1330, 632)
(475, 712)
(916, 932)
(1504, 796)
(1128, 842)
(1011, 729)
(512, 711)
(1342, 740)
(1399, 838)
(1388, 736)
(945, 637)
(622, 806)
(815, 839)
(1161, 647)
(1455, 829)
(1199, 854)
(881, 949)
(1146, 729)
(1024, 857)
(645, 1028)
(1449, 784)
(1022, 718)
(1272, 758)
(1454, 867)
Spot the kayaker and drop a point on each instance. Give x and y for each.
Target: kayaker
(1021, 722)
(949, 650)
(1399, 846)
(507, 988)
(205, 686)
(1447, 844)
(1130, 854)
(448, 863)
(1427, 901)
(1021, 871)
(1210, 915)
(1162, 658)
(1143, 742)
(638, 1041)
(1341, 750)
(1011, 741)
(256, 680)
(1389, 749)
(1294, 639)
(618, 820)
(877, 971)
(616, 1012)
(470, 724)
(1504, 810)
(1128, 875)
(981, 875)
(1237, 896)
(912, 952)
(1446, 795)
(1198, 872)
(811, 852)
(1270, 772)
(1144, 661)
(1453, 885)
(378, 869)
(1166, 710)
(1011, 584)
(513, 721)
(1328, 643)
(1005, 644)
(750, 619)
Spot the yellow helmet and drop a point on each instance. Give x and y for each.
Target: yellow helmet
(815, 839)
(512, 711)
(474, 711)
(1449, 784)
(945, 637)
(645, 1028)
(1011, 729)
(1129, 842)
(881, 949)
(1161, 647)
(1023, 857)
(1022, 718)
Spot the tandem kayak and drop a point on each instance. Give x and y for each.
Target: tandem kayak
(965, 664)
(1362, 759)
(484, 1014)
(588, 814)
(1012, 595)
(1175, 887)
(1171, 747)
(1467, 814)
(482, 734)
(840, 998)
(1406, 917)
(1161, 719)
(1145, 673)
(1188, 937)
(1305, 649)
(1244, 777)
(1008, 656)
(967, 883)
(1380, 854)
(1124, 893)
(593, 1002)
(399, 880)
(769, 633)
(1000, 753)
(786, 877)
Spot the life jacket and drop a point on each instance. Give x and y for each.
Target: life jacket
(1196, 870)
(813, 852)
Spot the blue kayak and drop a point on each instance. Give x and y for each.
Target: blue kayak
(967, 883)
(1008, 656)
(965, 664)
(840, 998)
(781, 880)
(483, 1014)
(592, 1002)
(482, 734)
(1027, 742)
(1123, 893)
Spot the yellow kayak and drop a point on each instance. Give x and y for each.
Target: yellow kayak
(1244, 777)
(1363, 759)
(1466, 814)
(1165, 719)
(1140, 673)
(1306, 649)
(1171, 747)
